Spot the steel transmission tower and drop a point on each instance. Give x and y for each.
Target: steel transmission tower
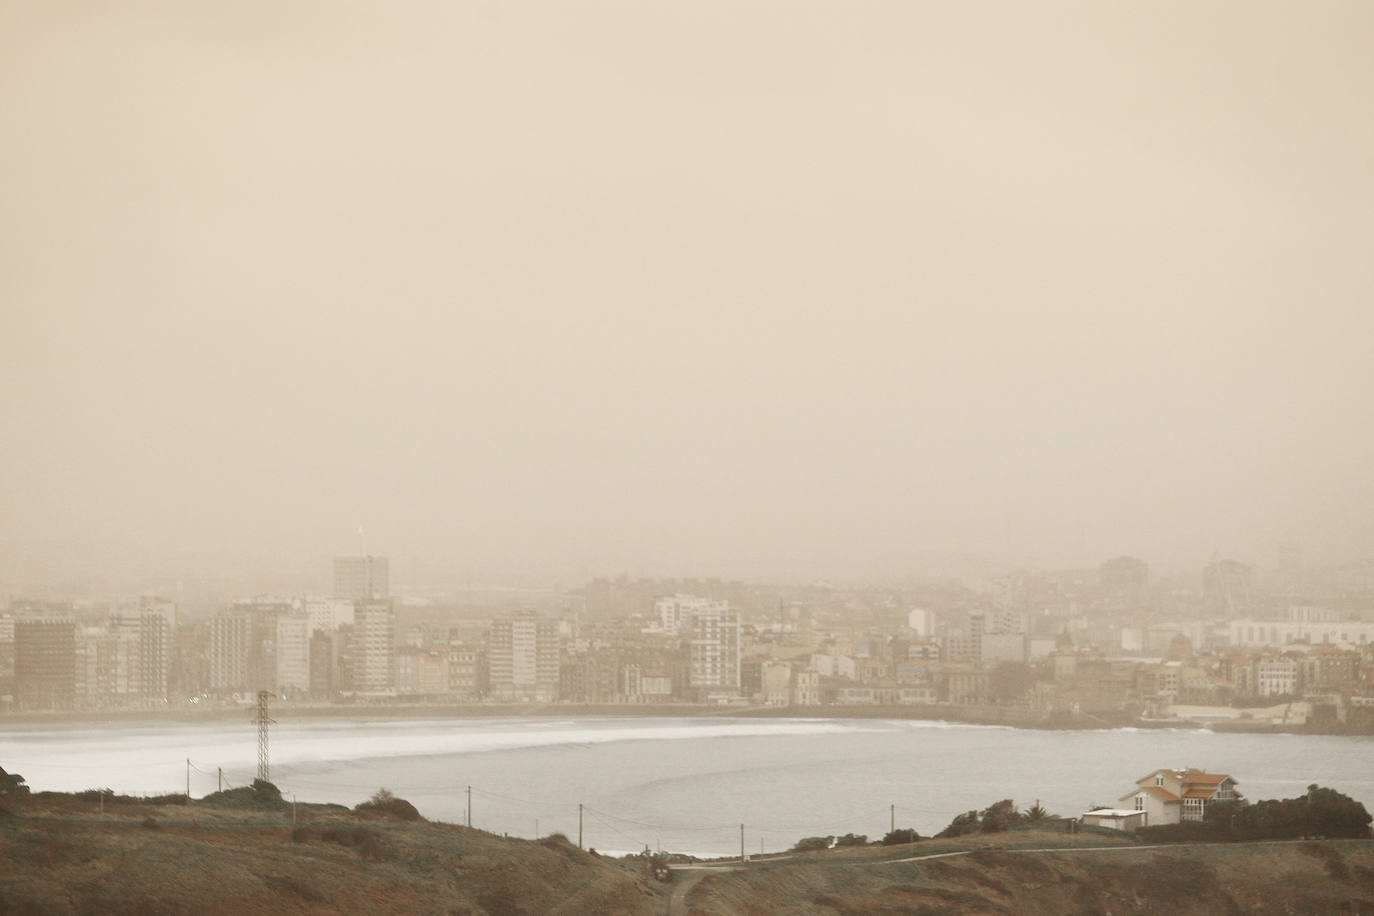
(262, 721)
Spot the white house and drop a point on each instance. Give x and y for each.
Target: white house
(1171, 796)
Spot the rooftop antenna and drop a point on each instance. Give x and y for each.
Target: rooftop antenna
(262, 721)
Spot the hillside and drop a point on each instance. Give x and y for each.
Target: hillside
(998, 876)
(60, 855)
(234, 854)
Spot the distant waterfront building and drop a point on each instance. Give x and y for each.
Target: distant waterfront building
(922, 622)
(262, 613)
(45, 662)
(806, 689)
(374, 647)
(293, 652)
(674, 612)
(362, 578)
(1247, 632)
(715, 650)
(229, 650)
(156, 625)
(328, 614)
(523, 659)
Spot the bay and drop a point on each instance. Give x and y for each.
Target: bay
(680, 784)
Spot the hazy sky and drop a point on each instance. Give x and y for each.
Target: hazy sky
(697, 288)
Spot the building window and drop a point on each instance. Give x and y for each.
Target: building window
(1140, 803)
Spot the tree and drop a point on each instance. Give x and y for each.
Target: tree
(1034, 814)
(963, 823)
(901, 836)
(807, 844)
(1329, 813)
(852, 839)
(999, 816)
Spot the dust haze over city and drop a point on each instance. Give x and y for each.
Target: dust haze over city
(801, 365)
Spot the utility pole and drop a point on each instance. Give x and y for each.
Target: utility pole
(188, 777)
(469, 806)
(536, 828)
(220, 784)
(892, 814)
(741, 842)
(579, 825)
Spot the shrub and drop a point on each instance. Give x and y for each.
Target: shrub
(900, 836)
(852, 839)
(810, 843)
(384, 804)
(963, 823)
(1321, 812)
(150, 823)
(12, 785)
(999, 816)
(259, 795)
(265, 791)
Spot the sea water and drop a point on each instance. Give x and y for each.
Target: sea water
(679, 784)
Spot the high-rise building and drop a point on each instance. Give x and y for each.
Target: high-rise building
(328, 614)
(262, 614)
(523, 659)
(362, 578)
(45, 662)
(156, 624)
(293, 652)
(715, 651)
(374, 647)
(229, 651)
(674, 612)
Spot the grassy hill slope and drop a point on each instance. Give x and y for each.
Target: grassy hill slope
(57, 855)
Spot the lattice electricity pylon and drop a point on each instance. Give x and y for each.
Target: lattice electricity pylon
(262, 721)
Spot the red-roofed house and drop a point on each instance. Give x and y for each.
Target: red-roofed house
(1170, 796)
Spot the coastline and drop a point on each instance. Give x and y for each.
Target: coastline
(1009, 717)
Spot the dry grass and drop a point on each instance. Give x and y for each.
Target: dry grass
(1331, 877)
(202, 860)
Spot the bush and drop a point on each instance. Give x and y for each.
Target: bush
(852, 839)
(384, 804)
(265, 791)
(1321, 812)
(963, 823)
(150, 823)
(901, 836)
(999, 816)
(12, 785)
(260, 794)
(811, 843)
